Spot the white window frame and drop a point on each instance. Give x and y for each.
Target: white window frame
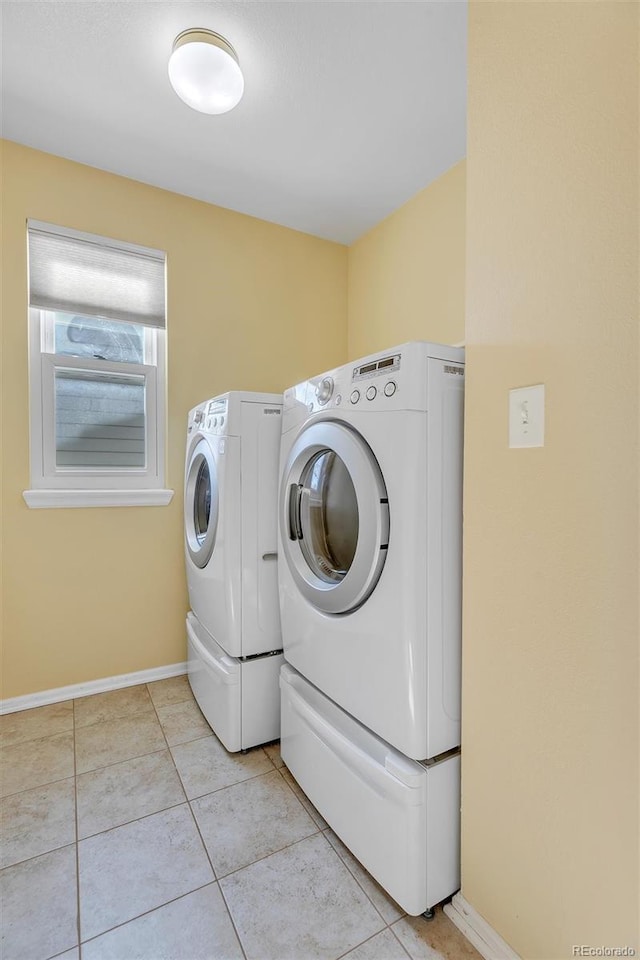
(54, 486)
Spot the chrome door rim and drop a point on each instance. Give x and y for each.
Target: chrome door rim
(200, 550)
(364, 572)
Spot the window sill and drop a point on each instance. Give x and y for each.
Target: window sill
(37, 499)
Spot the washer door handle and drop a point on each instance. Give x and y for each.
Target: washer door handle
(295, 524)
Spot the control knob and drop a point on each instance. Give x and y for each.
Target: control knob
(324, 390)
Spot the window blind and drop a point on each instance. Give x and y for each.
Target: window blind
(93, 276)
(100, 420)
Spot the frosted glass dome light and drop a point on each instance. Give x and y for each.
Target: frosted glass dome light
(204, 71)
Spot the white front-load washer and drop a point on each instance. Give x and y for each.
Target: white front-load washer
(370, 530)
(230, 504)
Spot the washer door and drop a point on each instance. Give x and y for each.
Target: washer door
(334, 516)
(201, 503)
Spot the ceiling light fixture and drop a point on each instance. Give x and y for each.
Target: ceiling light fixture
(204, 71)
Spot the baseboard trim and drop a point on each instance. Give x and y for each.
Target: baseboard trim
(484, 938)
(58, 694)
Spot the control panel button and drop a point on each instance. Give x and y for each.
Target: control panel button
(198, 416)
(338, 400)
(208, 423)
(371, 392)
(324, 390)
(215, 421)
(355, 396)
(221, 421)
(390, 388)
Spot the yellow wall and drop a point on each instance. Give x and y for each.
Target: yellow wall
(406, 275)
(90, 593)
(550, 686)
(550, 733)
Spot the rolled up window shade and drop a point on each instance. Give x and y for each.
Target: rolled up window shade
(94, 276)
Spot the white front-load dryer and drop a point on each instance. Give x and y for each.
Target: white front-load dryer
(370, 530)
(230, 504)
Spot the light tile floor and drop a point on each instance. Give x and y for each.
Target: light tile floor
(129, 833)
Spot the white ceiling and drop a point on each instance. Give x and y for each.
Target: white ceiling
(349, 108)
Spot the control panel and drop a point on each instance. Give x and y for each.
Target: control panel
(383, 371)
(367, 386)
(216, 415)
(210, 417)
(377, 368)
(393, 381)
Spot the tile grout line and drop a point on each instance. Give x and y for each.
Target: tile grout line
(127, 823)
(232, 921)
(204, 846)
(114, 763)
(318, 829)
(77, 843)
(217, 882)
(183, 802)
(319, 832)
(392, 931)
(236, 783)
(296, 795)
(47, 783)
(190, 800)
(37, 786)
(18, 863)
(121, 716)
(75, 779)
(353, 877)
(48, 736)
(147, 816)
(145, 913)
(280, 770)
(287, 846)
(389, 923)
(274, 769)
(82, 773)
(220, 887)
(138, 756)
(148, 710)
(171, 806)
(345, 864)
(345, 956)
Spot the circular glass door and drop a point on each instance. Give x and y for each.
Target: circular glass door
(328, 516)
(201, 504)
(334, 516)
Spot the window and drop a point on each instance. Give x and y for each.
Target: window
(97, 370)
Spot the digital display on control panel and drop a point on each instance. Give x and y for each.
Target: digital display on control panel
(217, 406)
(377, 367)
